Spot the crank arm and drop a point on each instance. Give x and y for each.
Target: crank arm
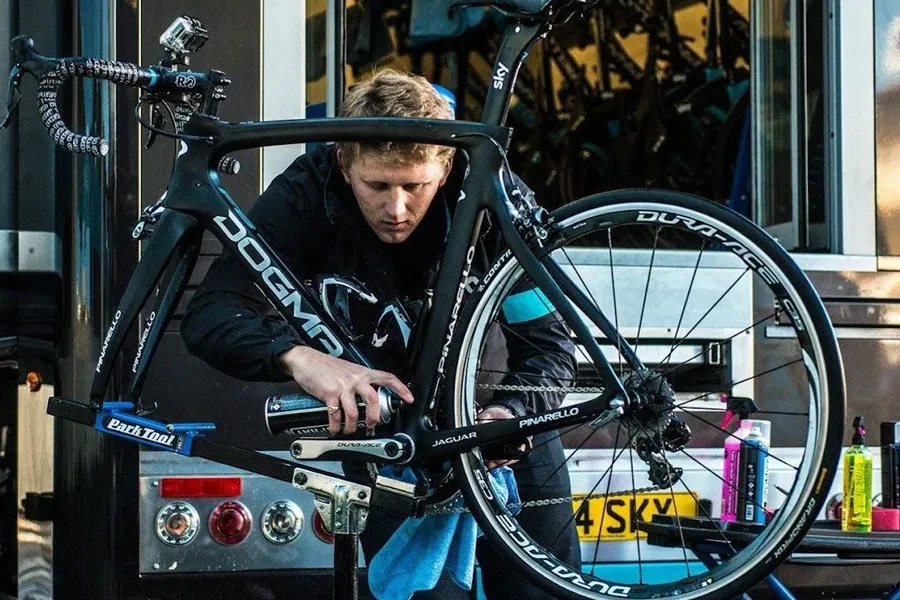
(393, 449)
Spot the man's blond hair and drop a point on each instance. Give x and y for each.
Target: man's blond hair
(390, 93)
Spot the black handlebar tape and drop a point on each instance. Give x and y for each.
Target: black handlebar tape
(48, 88)
(52, 73)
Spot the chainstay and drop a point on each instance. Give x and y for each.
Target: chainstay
(439, 510)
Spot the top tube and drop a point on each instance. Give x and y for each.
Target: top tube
(229, 137)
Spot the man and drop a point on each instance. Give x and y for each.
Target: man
(379, 213)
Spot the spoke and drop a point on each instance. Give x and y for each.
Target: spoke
(637, 538)
(612, 275)
(507, 329)
(734, 383)
(729, 434)
(544, 443)
(587, 291)
(662, 449)
(608, 486)
(699, 462)
(731, 337)
(686, 299)
(576, 449)
(714, 305)
(637, 339)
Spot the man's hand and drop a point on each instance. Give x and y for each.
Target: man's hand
(494, 413)
(337, 383)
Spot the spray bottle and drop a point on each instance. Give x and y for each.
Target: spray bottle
(753, 471)
(890, 464)
(741, 407)
(856, 512)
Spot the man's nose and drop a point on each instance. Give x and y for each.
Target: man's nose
(396, 205)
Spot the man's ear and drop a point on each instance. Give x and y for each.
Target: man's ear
(339, 154)
(447, 171)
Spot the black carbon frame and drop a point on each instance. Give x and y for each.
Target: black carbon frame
(196, 201)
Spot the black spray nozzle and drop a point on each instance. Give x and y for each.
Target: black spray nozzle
(737, 406)
(859, 431)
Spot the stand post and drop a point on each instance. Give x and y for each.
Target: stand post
(346, 547)
(344, 507)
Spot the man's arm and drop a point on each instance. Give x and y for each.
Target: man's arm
(232, 326)
(541, 352)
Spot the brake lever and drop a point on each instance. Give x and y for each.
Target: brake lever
(13, 95)
(158, 122)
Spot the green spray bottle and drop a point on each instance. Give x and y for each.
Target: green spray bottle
(856, 511)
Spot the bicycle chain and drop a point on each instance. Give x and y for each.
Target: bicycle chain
(436, 510)
(538, 388)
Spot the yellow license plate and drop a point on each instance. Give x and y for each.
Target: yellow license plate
(614, 518)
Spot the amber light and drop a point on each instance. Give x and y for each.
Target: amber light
(200, 487)
(177, 523)
(230, 523)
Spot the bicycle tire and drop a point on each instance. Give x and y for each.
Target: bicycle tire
(766, 260)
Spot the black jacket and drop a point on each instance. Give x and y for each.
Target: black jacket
(310, 218)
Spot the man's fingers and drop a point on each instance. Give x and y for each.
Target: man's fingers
(373, 405)
(334, 415)
(389, 380)
(351, 413)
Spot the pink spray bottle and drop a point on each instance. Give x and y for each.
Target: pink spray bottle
(741, 407)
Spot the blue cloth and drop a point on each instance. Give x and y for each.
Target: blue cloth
(421, 549)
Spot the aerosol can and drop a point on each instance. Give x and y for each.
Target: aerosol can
(305, 416)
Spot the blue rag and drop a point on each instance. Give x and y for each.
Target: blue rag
(422, 548)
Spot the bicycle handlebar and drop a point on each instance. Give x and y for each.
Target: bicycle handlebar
(52, 73)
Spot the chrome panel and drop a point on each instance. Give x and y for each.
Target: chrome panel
(30, 252)
(855, 127)
(34, 474)
(204, 554)
(842, 284)
(283, 78)
(851, 333)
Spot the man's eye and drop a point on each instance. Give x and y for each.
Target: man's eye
(378, 187)
(412, 187)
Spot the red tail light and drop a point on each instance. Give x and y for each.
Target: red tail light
(230, 523)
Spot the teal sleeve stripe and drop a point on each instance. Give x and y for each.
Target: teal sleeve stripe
(526, 306)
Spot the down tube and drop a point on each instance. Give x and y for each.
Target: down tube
(170, 232)
(296, 302)
(181, 266)
(550, 286)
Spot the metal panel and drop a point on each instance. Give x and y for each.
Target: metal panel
(283, 77)
(855, 128)
(204, 554)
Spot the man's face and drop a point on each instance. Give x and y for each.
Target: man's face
(394, 198)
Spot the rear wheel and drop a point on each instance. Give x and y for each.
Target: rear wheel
(718, 313)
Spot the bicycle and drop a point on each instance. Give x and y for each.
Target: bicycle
(631, 230)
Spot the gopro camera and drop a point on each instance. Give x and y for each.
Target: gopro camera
(185, 35)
